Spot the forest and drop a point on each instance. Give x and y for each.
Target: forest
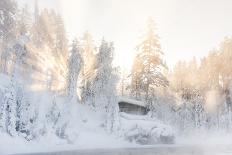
(46, 79)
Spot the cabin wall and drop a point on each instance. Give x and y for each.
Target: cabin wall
(131, 108)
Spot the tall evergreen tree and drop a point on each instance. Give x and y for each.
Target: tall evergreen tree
(36, 11)
(104, 85)
(74, 67)
(148, 67)
(104, 71)
(8, 9)
(24, 21)
(89, 64)
(11, 105)
(59, 50)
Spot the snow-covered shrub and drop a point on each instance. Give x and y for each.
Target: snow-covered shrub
(145, 130)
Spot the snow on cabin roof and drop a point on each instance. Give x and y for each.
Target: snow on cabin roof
(132, 101)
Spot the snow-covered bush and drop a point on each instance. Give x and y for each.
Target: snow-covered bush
(145, 130)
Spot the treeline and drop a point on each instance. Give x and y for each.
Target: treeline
(193, 95)
(204, 87)
(43, 38)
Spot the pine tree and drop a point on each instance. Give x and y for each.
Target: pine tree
(23, 21)
(48, 35)
(61, 42)
(17, 107)
(11, 105)
(103, 85)
(23, 119)
(225, 72)
(74, 67)
(104, 71)
(89, 64)
(36, 11)
(148, 67)
(54, 113)
(8, 10)
(6, 55)
(59, 50)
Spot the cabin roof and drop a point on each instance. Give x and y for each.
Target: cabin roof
(132, 101)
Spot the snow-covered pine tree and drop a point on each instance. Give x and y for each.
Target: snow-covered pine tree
(8, 10)
(59, 50)
(61, 42)
(100, 85)
(24, 21)
(43, 30)
(54, 117)
(36, 11)
(6, 55)
(11, 105)
(23, 120)
(89, 64)
(20, 53)
(17, 108)
(104, 85)
(74, 67)
(148, 68)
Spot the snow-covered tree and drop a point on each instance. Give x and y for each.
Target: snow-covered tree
(59, 50)
(55, 116)
(17, 106)
(147, 71)
(60, 41)
(6, 59)
(11, 105)
(48, 35)
(23, 21)
(20, 53)
(100, 84)
(103, 85)
(74, 67)
(8, 10)
(24, 122)
(89, 65)
(36, 11)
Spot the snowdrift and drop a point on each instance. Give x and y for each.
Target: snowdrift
(144, 130)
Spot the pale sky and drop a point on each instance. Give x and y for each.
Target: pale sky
(186, 28)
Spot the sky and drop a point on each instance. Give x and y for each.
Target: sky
(187, 28)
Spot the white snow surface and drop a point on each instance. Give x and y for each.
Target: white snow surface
(132, 101)
(89, 134)
(86, 140)
(85, 128)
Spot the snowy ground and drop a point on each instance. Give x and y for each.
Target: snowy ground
(100, 143)
(50, 144)
(90, 135)
(92, 139)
